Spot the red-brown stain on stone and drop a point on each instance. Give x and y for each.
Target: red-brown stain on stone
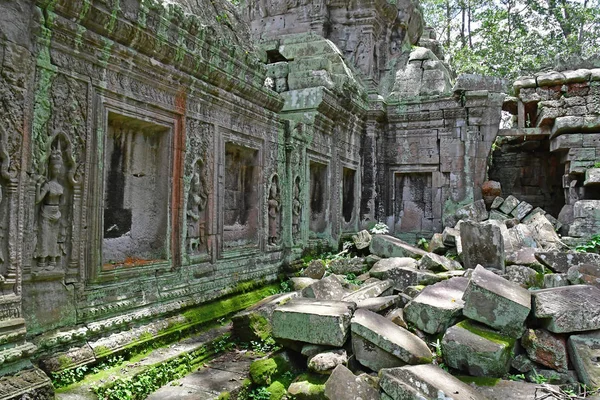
(177, 193)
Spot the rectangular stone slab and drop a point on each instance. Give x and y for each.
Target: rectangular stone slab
(388, 336)
(313, 321)
(496, 302)
(584, 351)
(424, 382)
(568, 309)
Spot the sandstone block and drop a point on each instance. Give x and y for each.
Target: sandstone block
(584, 352)
(326, 362)
(313, 321)
(559, 261)
(429, 382)
(315, 269)
(568, 309)
(509, 204)
(328, 288)
(482, 245)
(370, 290)
(388, 246)
(344, 385)
(496, 302)
(389, 337)
(437, 263)
(477, 350)
(546, 348)
(437, 306)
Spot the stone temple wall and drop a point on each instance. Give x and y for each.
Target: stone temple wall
(153, 158)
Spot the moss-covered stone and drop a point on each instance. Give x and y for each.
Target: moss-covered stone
(308, 387)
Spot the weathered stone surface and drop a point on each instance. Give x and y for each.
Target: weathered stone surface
(362, 239)
(372, 259)
(254, 323)
(511, 390)
(482, 245)
(568, 309)
(555, 280)
(402, 271)
(370, 290)
(450, 236)
(587, 274)
(437, 306)
(584, 352)
(524, 256)
(313, 321)
(328, 288)
(436, 244)
(437, 263)
(378, 304)
(389, 337)
(315, 269)
(524, 276)
(477, 350)
(546, 348)
(344, 385)
(310, 350)
(509, 204)
(559, 261)
(496, 302)
(326, 362)
(344, 266)
(309, 389)
(475, 211)
(586, 215)
(543, 232)
(497, 203)
(521, 210)
(522, 363)
(592, 177)
(299, 283)
(397, 317)
(427, 382)
(389, 246)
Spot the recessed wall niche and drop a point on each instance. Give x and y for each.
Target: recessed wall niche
(136, 191)
(318, 196)
(240, 225)
(348, 179)
(413, 202)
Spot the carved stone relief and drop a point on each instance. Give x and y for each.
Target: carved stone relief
(274, 205)
(196, 211)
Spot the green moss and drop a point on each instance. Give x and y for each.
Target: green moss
(479, 380)
(146, 336)
(101, 351)
(64, 362)
(224, 396)
(262, 371)
(487, 334)
(260, 326)
(277, 390)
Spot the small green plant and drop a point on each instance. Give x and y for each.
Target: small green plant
(259, 393)
(351, 278)
(597, 164)
(380, 229)
(263, 346)
(537, 378)
(517, 377)
(423, 244)
(285, 286)
(591, 246)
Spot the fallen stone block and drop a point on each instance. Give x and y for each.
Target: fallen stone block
(437, 263)
(403, 272)
(387, 337)
(496, 302)
(436, 244)
(477, 349)
(496, 203)
(254, 323)
(362, 239)
(568, 309)
(584, 274)
(559, 261)
(509, 204)
(315, 269)
(586, 215)
(555, 280)
(584, 352)
(328, 288)
(525, 256)
(344, 385)
(397, 317)
(437, 306)
(326, 362)
(388, 246)
(482, 245)
(511, 390)
(521, 210)
(543, 233)
(346, 266)
(523, 276)
(308, 387)
(427, 382)
(592, 177)
(522, 363)
(313, 321)
(521, 237)
(450, 236)
(299, 283)
(546, 348)
(370, 290)
(378, 304)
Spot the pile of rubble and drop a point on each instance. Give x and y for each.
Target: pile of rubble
(498, 295)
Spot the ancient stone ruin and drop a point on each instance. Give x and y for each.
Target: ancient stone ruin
(163, 162)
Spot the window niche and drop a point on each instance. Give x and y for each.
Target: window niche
(348, 192)
(241, 196)
(318, 195)
(136, 192)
